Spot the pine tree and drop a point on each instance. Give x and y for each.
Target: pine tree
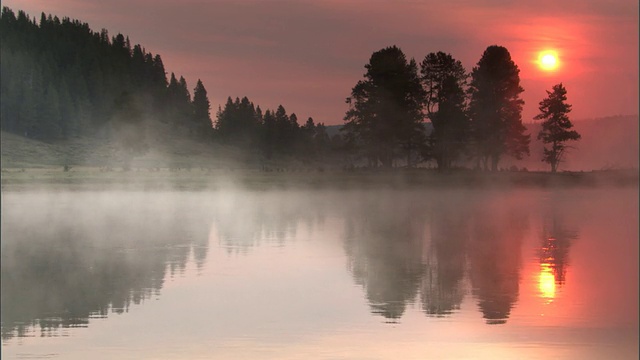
(179, 104)
(268, 134)
(282, 139)
(385, 113)
(201, 111)
(556, 127)
(495, 108)
(444, 80)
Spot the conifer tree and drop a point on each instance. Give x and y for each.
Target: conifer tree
(444, 80)
(495, 108)
(556, 126)
(201, 111)
(268, 134)
(385, 113)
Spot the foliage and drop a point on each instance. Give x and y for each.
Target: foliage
(201, 112)
(178, 108)
(444, 80)
(238, 122)
(495, 108)
(60, 79)
(385, 114)
(556, 127)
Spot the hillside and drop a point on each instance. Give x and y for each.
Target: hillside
(164, 151)
(71, 95)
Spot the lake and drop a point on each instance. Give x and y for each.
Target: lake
(320, 274)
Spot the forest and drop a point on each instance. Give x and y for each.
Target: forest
(62, 80)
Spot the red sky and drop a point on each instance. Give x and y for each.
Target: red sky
(307, 55)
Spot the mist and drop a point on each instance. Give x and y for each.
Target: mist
(73, 259)
(142, 220)
(609, 143)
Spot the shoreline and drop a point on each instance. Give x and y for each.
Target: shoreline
(365, 179)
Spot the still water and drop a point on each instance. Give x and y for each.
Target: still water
(447, 274)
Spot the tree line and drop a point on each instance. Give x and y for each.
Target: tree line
(60, 80)
(473, 115)
(273, 134)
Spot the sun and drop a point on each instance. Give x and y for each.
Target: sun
(548, 60)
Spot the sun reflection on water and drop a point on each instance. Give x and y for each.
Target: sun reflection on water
(547, 282)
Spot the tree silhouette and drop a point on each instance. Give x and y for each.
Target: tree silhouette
(286, 128)
(495, 108)
(556, 127)
(385, 113)
(444, 80)
(180, 108)
(64, 78)
(268, 134)
(201, 116)
(238, 123)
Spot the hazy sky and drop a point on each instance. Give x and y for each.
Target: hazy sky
(308, 54)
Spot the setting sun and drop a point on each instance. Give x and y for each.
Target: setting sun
(548, 60)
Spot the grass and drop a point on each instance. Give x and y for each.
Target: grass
(177, 152)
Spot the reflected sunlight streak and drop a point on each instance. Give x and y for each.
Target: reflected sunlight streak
(547, 282)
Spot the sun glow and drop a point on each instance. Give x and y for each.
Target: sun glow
(547, 282)
(548, 60)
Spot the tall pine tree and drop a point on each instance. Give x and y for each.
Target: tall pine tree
(556, 126)
(444, 80)
(201, 112)
(385, 109)
(495, 108)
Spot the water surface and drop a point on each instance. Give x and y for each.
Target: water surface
(447, 274)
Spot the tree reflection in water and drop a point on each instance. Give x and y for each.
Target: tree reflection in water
(68, 262)
(383, 243)
(556, 239)
(442, 289)
(427, 245)
(495, 260)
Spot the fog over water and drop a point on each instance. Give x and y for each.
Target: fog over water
(320, 273)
